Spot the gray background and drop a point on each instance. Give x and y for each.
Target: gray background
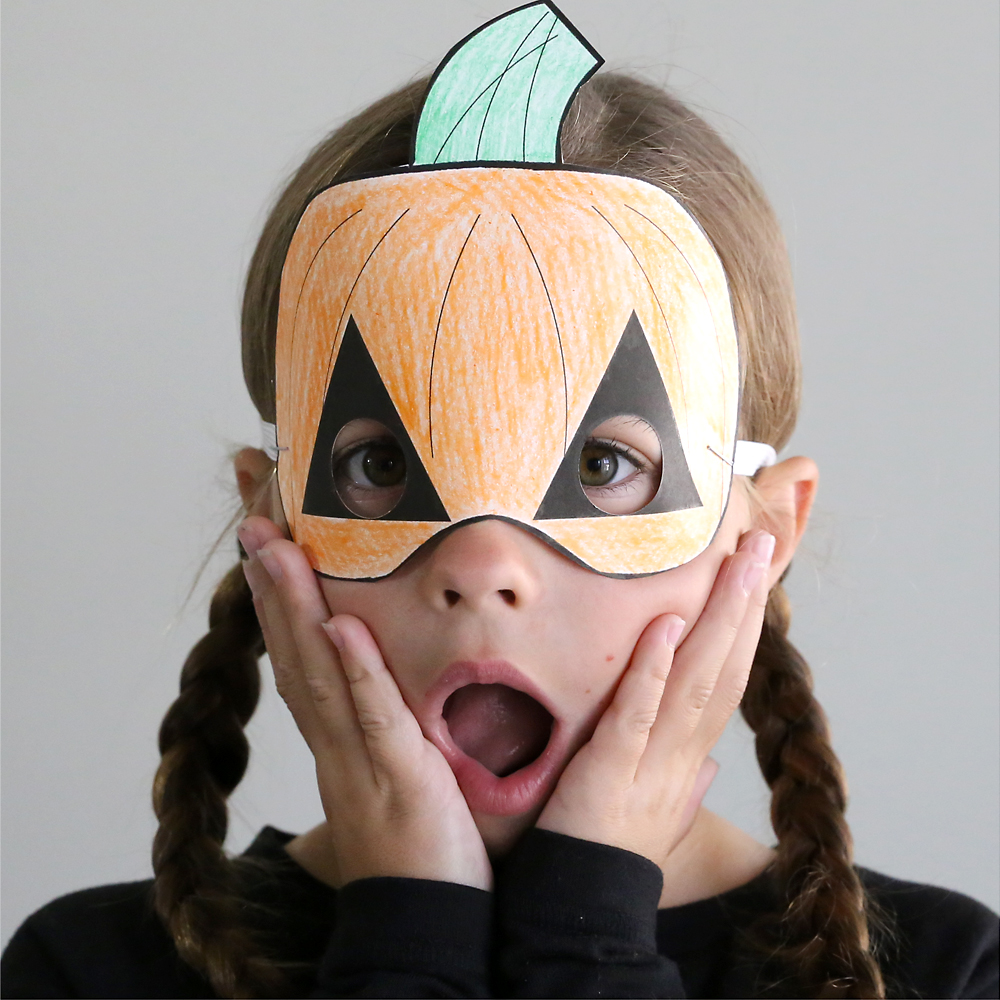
(143, 141)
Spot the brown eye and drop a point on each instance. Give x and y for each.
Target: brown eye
(369, 468)
(620, 465)
(382, 463)
(598, 465)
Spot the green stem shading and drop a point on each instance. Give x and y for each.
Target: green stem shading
(501, 94)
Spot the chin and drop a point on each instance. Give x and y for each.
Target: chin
(501, 833)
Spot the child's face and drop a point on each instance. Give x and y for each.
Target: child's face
(491, 604)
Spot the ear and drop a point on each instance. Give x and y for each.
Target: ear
(786, 492)
(258, 485)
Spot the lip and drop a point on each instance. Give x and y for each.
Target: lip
(483, 790)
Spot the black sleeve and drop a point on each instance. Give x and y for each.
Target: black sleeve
(29, 969)
(940, 943)
(101, 942)
(578, 919)
(403, 937)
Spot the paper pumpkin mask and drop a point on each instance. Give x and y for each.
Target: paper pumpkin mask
(491, 307)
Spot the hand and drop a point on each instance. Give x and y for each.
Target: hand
(392, 803)
(639, 780)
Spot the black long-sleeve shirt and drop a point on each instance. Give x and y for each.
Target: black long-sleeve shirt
(570, 918)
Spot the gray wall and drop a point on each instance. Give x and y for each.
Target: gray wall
(142, 143)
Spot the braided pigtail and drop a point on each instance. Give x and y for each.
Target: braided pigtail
(620, 123)
(204, 754)
(822, 940)
(202, 743)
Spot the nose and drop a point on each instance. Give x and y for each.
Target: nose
(483, 566)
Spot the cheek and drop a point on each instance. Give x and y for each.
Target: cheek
(575, 639)
(608, 616)
(383, 607)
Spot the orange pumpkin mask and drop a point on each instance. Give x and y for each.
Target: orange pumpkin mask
(490, 315)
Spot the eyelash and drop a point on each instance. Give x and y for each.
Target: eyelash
(339, 459)
(639, 460)
(641, 463)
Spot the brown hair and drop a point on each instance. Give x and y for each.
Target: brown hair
(820, 938)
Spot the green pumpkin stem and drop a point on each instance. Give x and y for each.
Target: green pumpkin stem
(501, 94)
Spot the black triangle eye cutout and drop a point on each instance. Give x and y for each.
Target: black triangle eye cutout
(356, 390)
(631, 386)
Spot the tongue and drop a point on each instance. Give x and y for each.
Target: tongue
(502, 728)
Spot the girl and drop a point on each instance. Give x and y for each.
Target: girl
(511, 746)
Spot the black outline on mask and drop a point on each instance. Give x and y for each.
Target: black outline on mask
(356, 390)
(560, 17)
(409, 168)
(630, 386)
(532, 530)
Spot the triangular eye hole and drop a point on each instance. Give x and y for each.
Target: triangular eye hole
(632, 386)
(356, 391)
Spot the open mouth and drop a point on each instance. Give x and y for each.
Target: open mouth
(500, 727)
(498, 733)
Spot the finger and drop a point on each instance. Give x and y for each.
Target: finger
(278, 638)
(314, 669)
(735, 671)
(700, 658)
(622, 733)
(254, 533)
(306, 667)
(392, 734)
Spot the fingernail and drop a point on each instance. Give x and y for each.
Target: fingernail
(269, 563)
(762, 548)
(334, 633)
(674, 630)
(248, 540)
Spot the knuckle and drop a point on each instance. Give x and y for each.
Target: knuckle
(632, 721)
(376, 721)
(352, 671)
(284, 686)
(642, 722)
(699, 696)
(731, 629)
(321, 688)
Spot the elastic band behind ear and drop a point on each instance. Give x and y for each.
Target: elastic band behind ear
(751, 456)
(269, 440)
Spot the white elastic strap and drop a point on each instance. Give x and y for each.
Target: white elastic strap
(269, 440)
(751, 456)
